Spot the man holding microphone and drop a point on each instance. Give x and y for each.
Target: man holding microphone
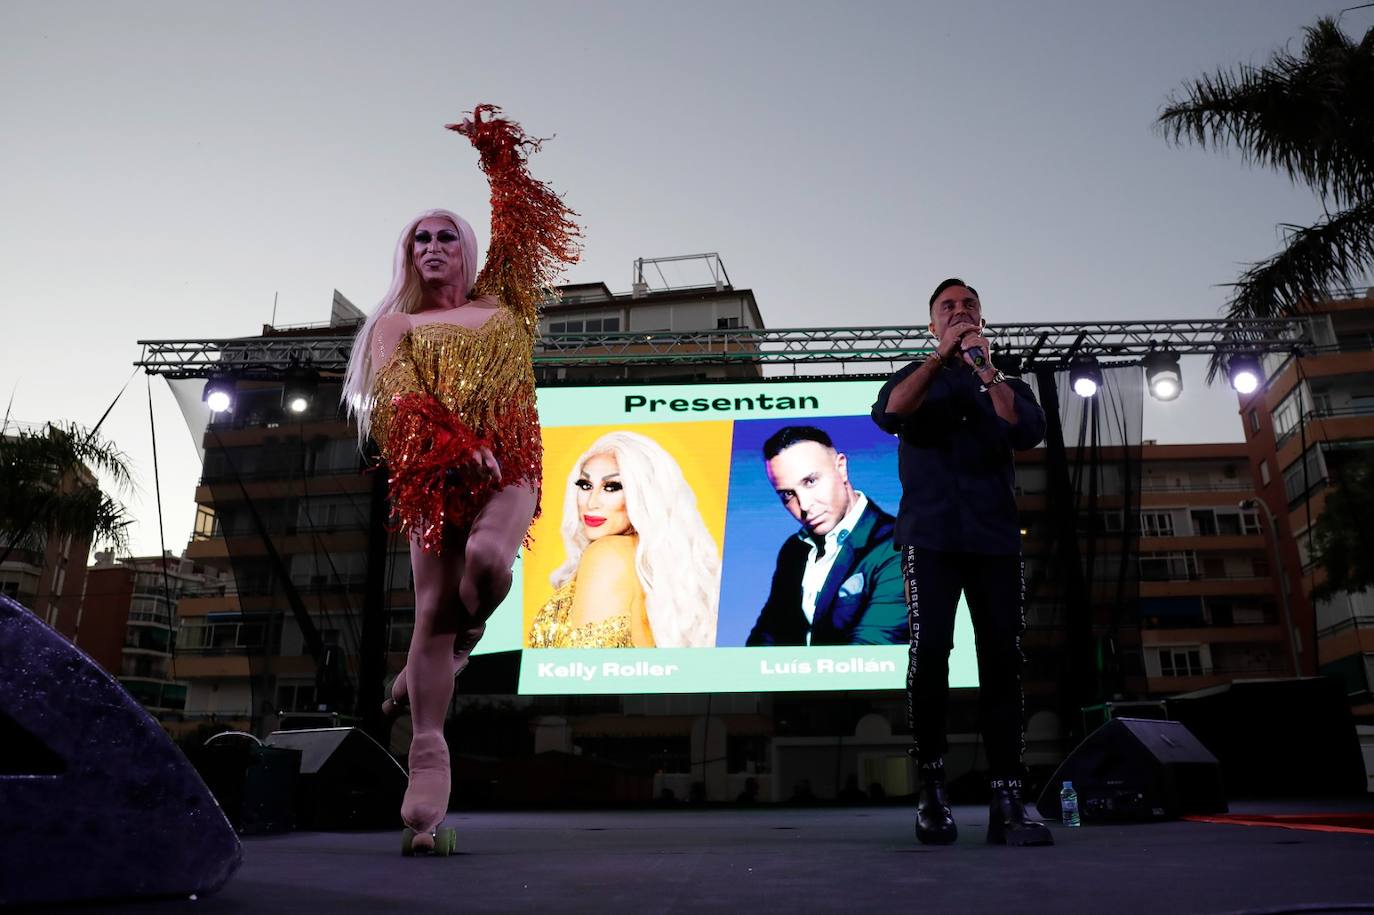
(958, 421)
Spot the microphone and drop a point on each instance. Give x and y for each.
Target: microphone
(976, 354)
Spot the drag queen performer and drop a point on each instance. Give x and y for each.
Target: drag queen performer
(442, 378)
(642, 570)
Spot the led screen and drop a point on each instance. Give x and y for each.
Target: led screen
(666, 560)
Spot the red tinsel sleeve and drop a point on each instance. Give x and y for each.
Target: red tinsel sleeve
(533, 233)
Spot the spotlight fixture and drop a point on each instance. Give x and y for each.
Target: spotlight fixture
(1245, 372)
(1162, 374)
(218, 393)
(1085, 375)
(298, 389)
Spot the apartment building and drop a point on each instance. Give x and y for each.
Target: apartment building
(1312, 418)
(1188, 597)
(129, 624)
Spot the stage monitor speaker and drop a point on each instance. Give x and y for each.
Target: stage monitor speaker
(1134, 769)
(96, 802)
(255, 784)
(348, 780)
(1278, 737)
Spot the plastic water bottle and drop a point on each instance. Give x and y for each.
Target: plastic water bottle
(1068, 805)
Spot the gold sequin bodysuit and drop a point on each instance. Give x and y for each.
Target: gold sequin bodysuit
(445, 390)
(551, 629)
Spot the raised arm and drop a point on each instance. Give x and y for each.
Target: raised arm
(533, 235)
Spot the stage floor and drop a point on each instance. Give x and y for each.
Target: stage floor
(785, 859)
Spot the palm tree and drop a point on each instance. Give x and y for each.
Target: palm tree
(1311, 117)
(50, 488)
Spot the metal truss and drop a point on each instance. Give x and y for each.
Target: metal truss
(1025, 345)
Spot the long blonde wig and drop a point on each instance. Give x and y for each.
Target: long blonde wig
(404, 297)
(677, 562)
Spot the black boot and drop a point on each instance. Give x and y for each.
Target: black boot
(934, 818)
(1007, 823)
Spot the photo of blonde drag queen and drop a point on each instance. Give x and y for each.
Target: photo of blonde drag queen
(642, 570)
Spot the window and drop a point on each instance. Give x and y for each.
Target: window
(207, 525)
(587, 324)
(296, 697)
(1176, 566)
(1205, 523)
(326, 513)
(1305, 474)
(1304, 542)
(1181, 662)
(1264, 473)
(1254, 421)
(1156, 524)
(726, 323)
(1249, 522)
(1288, 414)
(334, 455)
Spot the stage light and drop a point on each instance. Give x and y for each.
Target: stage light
(1245, 372)
(1162, 375)
(218, 393)
(1085, 376)
(298, 390)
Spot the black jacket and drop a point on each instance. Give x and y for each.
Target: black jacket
(954, 457)
(863, 599)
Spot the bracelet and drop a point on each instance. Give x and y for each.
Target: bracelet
(935, 354)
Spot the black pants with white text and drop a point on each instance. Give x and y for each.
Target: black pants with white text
(994, 586)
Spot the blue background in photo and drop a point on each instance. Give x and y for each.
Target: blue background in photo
(756, 524)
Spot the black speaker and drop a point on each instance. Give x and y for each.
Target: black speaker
(1134, 769)
(348, 780)
(1278, 737)
(255, 784)
(96, 802)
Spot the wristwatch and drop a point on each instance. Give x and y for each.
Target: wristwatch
(997, 378)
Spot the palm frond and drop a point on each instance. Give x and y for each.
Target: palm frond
(97, 453)
(1332, 254)
(1308, 116)
(51, 488)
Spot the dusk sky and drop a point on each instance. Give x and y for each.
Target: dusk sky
(167, 168)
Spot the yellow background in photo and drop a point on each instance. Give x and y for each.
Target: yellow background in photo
(702, 450)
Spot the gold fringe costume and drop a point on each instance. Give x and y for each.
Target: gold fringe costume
(447, 389)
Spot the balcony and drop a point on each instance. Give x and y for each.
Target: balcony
(1209, 586)
(1211, 676)
(227, 666)
(1333, 414)
(1240, 543)
(1147, 485)
(155, 617)
(1346, 625)
(1210, 633)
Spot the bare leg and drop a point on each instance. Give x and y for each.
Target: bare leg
(484, 581)
(472, 572)
(429, 679)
